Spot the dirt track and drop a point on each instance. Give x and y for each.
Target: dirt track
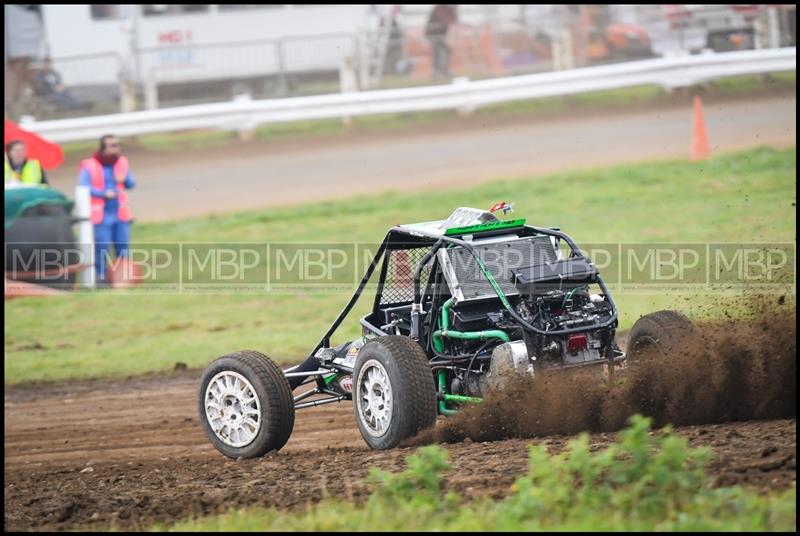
(131, 453)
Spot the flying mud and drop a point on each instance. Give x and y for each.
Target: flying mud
(130, 453)
(732, 371)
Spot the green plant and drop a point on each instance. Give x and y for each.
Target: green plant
(419, 486)
(646, 480)
(643, 475)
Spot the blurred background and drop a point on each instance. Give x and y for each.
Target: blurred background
(66, 61)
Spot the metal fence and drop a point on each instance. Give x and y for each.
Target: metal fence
(73, 86)
(540, 39)
(463, 95)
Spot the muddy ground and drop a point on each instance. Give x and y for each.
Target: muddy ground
(131, 453)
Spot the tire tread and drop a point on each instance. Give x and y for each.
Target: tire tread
(419, 408)
(668, 328)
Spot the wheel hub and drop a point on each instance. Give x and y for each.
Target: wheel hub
(233, 409)
(375, 398)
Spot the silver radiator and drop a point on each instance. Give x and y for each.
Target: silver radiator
(467, 282)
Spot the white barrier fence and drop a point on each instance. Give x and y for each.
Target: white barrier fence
(83, 211)
(463, 95)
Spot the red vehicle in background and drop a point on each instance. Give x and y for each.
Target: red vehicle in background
(608, 40)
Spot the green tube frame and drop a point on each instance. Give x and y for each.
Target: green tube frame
(463, 399)
(443, 410)
(438, 344)
(442, 403)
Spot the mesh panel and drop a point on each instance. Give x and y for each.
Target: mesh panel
(500, 258)
(399, 284)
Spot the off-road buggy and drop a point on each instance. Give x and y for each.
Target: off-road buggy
(459, 305)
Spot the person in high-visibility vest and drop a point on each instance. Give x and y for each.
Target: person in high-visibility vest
(20, 168)
(107, 175)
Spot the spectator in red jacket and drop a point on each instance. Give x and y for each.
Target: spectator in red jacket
(108, 176)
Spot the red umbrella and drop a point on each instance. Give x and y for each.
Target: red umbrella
(49, 154)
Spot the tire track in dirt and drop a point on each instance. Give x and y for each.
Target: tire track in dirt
(137, 493)
(139, 419)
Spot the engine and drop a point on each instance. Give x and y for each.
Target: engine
(545, 292)
(526, 352)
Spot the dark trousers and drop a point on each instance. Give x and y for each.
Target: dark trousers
(441, 56)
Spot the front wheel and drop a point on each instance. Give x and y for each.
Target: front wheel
(394, 394)
(246, 405)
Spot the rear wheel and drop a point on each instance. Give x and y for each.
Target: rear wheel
(246, 406)
(394, 394)
(658, 334)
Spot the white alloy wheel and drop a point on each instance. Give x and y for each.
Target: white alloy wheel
(232, 409)
(374, 398)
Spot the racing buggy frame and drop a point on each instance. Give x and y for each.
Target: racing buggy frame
(460, 304)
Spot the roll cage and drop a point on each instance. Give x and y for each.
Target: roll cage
(404, 238)
(399, 238)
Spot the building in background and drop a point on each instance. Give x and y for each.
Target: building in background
(24, 39)
(126, 57)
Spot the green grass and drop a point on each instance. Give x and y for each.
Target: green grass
(598, 100)
(644, 482)
(746, 196)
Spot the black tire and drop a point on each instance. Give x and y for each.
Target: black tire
(276, 405)
(659, 333)
(42, 236)
(413, 393)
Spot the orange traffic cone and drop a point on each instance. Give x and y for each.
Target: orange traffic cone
(700, 147)
(124, 273)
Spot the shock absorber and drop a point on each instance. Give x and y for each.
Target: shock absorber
(416, 312)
